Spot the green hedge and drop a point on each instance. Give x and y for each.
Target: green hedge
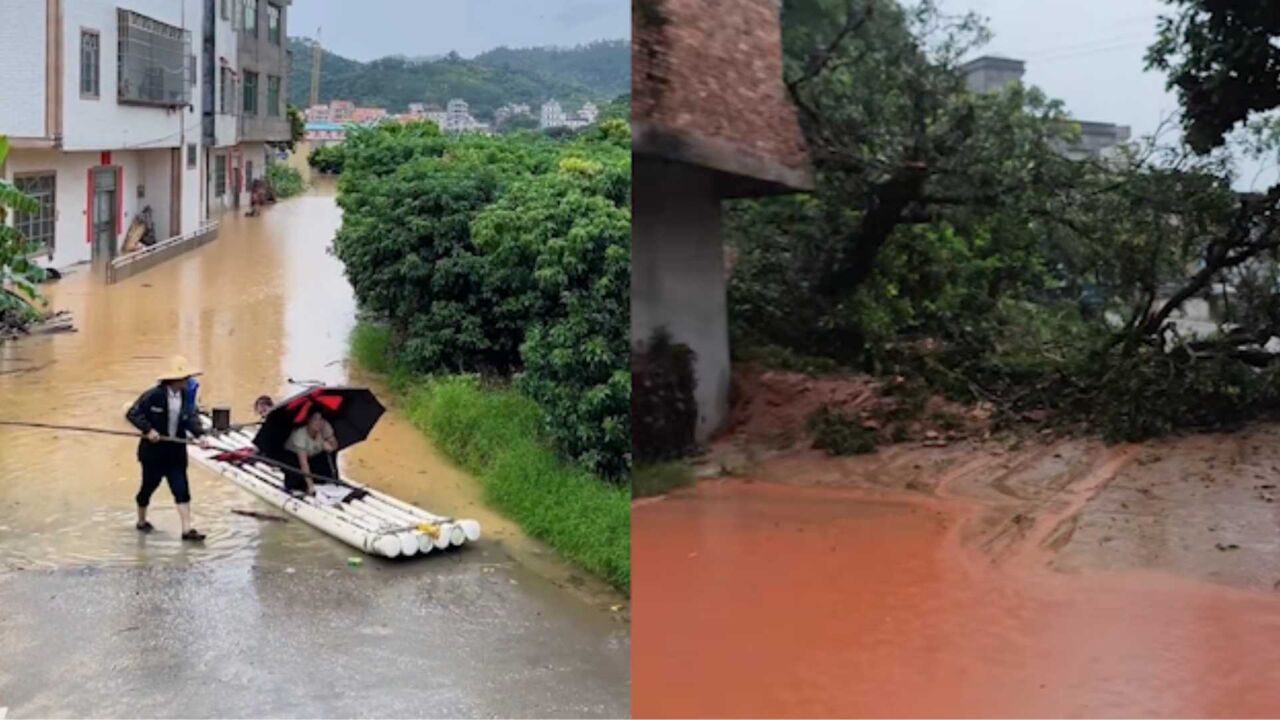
(505, 256)
(285, 181)
(496, 434)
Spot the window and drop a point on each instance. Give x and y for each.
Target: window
(227, 102)
(90, 64)
(220, 175)
(226, 9)
(37, 227)
(192, 67)
(251, 17)
(250, 106)
(153, 61)
(191, 156)
(273, 23)
(273, 96)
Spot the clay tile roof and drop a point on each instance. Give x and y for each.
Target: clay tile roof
(707, 89)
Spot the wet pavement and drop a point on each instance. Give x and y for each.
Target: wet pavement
(758, 600)
(264, 619)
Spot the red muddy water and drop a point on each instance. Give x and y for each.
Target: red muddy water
(756, 600)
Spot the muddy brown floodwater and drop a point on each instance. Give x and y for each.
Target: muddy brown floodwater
(996, 584)
(527, 634)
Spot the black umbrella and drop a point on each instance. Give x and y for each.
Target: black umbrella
(351, 411)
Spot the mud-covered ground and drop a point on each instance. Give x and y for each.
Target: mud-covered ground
(1199, 506)
(1040, 577)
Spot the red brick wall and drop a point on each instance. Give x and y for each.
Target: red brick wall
(714, 68)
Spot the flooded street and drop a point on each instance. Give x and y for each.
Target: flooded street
(839, 594)
(264, 618)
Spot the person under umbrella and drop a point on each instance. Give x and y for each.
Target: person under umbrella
(313, 445)
(317, 423)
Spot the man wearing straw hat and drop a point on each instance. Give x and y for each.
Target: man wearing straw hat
(167, 418)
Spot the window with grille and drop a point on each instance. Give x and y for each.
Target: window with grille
(90, 64)
(273, 23)
(250, 106)
(220, 175)
(273, 96)
(153, 61)
(37, 227)
(251, 17)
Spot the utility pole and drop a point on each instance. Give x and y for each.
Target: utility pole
(315, 71)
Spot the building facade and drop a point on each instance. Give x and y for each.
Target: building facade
(101, 104)
(132, 108)
(552, 115)
(711, 120)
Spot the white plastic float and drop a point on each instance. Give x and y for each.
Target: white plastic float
(377, 523)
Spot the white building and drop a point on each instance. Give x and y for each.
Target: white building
(552, 115)
(457, 116)
(109, 112)
(589, 113)
(100, 127)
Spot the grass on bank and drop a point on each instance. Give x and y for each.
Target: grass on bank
(495, 433)
(661, 478)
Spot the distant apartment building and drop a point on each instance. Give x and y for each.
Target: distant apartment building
(992, 74)
(102, 104)
(247, 44)
(318, 113)
(552, 115)
(319, 134)
(341, 111)
(368, 115)
(589, 113)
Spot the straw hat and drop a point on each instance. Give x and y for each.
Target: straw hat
(179, 369)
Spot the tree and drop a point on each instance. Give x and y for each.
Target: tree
(297, 127)
(892, 127)
(19, 277)
(1223, 59)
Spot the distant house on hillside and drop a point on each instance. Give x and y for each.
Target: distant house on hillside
(552, 115)
(711, 120)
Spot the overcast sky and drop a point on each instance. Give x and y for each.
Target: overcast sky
(1089, 53)
(369, 29)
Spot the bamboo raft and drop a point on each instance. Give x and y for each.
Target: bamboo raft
(376, 523)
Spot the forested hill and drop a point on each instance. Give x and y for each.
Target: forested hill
(598, 71)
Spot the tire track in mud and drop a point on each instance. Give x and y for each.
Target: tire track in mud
(1025, 532)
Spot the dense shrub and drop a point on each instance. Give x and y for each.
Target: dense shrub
(285, 181)
(664, 411)
(506, 255)
(327, 159)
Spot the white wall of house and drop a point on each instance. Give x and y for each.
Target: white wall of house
(226, 40)
(22, 74)
(678, 276)
(71, 244)
(104, 123)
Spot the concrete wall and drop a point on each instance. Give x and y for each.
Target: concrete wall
(260, 55)
(677, 274)
(22, 72)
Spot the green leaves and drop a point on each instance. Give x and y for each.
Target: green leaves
(505, 255)
(19, 277)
